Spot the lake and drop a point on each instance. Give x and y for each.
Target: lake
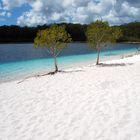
(23, 60)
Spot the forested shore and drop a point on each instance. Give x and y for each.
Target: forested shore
(17, 34)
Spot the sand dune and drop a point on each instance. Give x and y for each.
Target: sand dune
(83, 103)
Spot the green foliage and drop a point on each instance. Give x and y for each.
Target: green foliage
(99, 34)
(54, 39)
(131, 32)
(116, 33)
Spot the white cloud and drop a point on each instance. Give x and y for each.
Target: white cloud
(37, 5)
(2, 13)
(82, 11)
(9, 4)
(129, 10)
(8, 14)
(5, 14)
(31, 19)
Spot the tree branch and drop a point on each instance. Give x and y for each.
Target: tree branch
(58, 52)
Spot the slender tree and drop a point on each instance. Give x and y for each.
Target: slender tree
(99, 34)
(53, 39)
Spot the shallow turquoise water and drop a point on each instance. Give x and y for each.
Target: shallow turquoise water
(11, 70)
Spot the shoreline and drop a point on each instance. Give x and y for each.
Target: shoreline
(72, 66)
(131, 42)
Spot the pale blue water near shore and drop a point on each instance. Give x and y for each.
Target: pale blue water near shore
(22, 60)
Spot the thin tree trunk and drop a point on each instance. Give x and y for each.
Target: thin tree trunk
(55, 63)
(98, 57)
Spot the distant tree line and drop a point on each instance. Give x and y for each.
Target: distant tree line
(130, 31)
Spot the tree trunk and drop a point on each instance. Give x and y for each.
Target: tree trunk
(98, 57)
(55, 63)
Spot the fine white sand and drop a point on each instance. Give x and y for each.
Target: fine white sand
(84, 103)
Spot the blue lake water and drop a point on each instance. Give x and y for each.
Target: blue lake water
(22, 60)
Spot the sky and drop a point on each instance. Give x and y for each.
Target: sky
(39, 12)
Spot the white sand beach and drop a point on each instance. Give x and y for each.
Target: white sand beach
(83, 103)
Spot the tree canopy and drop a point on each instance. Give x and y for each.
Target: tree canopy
(99, 34)
(53, 39)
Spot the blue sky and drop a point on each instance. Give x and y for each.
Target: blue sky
(15, 13)
(38, 12)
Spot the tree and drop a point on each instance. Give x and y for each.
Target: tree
(54, 39)
(131, 32)
(99, 34)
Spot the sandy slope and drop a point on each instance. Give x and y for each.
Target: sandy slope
(86, 103)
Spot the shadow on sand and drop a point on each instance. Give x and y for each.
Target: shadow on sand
(51, 73)
(114, 64)
(73, 71)
(60, 71)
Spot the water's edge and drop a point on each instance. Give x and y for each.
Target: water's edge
(64, 68)
(18, 61)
